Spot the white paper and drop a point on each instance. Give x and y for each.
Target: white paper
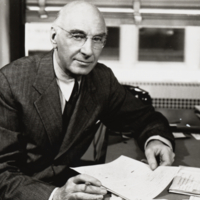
(179, 135)
(196, 136)
(187, 181)
(194, 198)
(131, 179)
(114, 197)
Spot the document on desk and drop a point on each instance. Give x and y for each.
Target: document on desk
(131, 179)
(196, 136)
(179, 135)
(187, 181)
(194, 198)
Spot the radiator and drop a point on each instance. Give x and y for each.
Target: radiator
(171, 95)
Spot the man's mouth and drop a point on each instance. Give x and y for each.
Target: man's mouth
(84, 62)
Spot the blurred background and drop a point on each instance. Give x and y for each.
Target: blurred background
(154, 44)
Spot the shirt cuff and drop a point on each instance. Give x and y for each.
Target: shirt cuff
(51, 196)
(162, 139)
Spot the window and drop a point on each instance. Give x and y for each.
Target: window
(161, 44)
(111, 49)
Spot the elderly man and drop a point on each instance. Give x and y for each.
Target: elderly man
(44, 131)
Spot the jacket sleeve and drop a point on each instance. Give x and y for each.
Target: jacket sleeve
(125, 113)
(13, 183)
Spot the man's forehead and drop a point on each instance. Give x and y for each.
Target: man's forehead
(83, 17)
(85, 24)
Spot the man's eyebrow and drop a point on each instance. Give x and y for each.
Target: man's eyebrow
(77, 31)
(101, 34)
(80, 31)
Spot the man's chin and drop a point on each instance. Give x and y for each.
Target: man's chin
(81, 72)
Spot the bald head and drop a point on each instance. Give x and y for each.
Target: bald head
(78, 36)
(79, 10)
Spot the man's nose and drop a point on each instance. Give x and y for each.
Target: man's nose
(87, 48)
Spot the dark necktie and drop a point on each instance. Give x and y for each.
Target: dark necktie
(69, 107)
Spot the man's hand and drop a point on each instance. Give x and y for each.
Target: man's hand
(156, 152)
(81, 187)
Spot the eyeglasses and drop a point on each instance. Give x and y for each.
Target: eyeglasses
(79, 38)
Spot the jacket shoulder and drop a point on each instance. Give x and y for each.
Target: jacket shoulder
(103, 79)
(102, 73)
(101, 68)
(22, 64)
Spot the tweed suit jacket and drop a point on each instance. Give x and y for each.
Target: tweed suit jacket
(34, 154)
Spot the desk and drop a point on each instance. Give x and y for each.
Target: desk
(187, 150)
(186, 119)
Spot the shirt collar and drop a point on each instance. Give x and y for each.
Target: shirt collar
(60, 74)
(64, 81)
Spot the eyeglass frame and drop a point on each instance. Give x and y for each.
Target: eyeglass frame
(86, 37)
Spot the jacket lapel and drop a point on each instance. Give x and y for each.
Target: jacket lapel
(82, 114)
(49, 108)
(48, 104)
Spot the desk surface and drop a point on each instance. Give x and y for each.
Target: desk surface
(187, 150)
(185, 119)
(187, 116)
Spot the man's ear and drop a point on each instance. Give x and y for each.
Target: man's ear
(53, 35)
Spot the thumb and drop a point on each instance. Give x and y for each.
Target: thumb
(151, 159)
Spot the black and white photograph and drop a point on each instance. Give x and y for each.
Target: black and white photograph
(99, 100)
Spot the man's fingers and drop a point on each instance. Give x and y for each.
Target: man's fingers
(151, 159)
(167, 159)
(79, 192)
(85, 196)
(157, 150)
(83, 178)
(90, 189)
(87, 184)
